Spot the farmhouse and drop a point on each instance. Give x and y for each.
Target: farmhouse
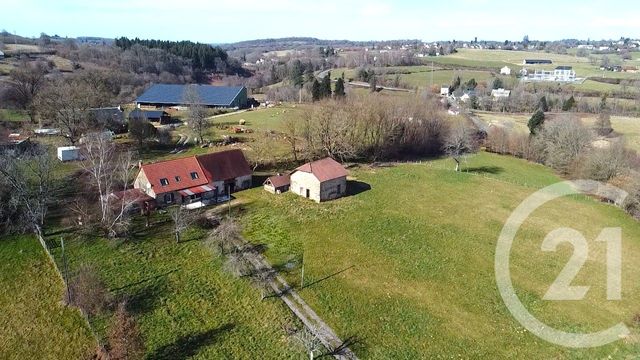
(277, 184)
(198, 180)
(159, 116)
(166, 95)
(444, 90)
(505, 71)
(536, 62)
(320, 180)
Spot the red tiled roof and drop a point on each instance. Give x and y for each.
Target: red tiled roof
(132, 195)
(224, 165)
(324, 170)
(170, 169)
(279, 180)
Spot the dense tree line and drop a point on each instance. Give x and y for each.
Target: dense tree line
(202, 56)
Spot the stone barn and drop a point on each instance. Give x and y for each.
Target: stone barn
(320, 180)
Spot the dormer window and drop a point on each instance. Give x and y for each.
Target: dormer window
(177, 178)
(194, 175)
(164, 181)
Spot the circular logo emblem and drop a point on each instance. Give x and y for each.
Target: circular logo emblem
(503, 275)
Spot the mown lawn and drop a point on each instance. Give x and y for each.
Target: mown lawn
(185, 303)
(406, 264)
(35, 323)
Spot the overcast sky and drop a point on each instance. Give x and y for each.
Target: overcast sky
(220, 21)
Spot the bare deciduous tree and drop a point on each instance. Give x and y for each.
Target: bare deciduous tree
(197, 112)
(309, 341)
(225, 235)
(88, 291)
(263, 150)
(24, 84)
(67, 104)
(292, 132)
(110, 171)
(460, 143)
(30, 177)
(181, 219)
(562, 142)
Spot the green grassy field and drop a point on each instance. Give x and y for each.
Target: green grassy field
(13, 115)
(35, 323)
(495, 59)
(185, 304)
(419, 76)
(407, 265)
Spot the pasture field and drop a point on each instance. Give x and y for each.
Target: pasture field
(627, 126)
(35, 323)
(405, 262)
(418, 76)
(185, 304)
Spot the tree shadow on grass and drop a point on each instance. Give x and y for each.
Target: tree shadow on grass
(189, 345)
(485, 170)
(353, 343)
(355, 187)
(146, 298)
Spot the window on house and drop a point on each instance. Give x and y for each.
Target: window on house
(194, 175)
(164, 181)
(168, 198)
(177, 178)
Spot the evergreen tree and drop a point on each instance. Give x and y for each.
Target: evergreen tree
(472, 84)
(315, 90)
(308, 75)
(325, 86)
(296, 73)
(542, 104)
(473, 102)
(536, 122)
(455, 85)
(568, 104)
(603, 102)
(339, 90)
(373, 83)
(497, 84)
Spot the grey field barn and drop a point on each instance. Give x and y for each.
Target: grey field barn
(211, 96)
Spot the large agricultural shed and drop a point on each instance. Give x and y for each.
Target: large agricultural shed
(162, 95)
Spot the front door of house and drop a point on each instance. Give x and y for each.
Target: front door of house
(308, 193)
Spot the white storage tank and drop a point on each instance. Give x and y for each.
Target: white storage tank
(68, 153)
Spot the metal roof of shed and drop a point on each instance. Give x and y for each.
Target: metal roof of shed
(172, 94)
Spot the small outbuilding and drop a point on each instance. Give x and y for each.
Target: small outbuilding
(277, 184)
(159, 116)
(320, 180)
(68, 153)
(505, 71)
